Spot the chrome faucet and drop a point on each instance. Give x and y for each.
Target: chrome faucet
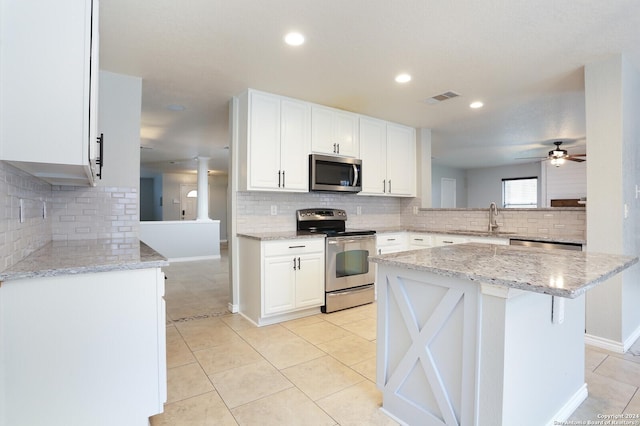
(493, 214)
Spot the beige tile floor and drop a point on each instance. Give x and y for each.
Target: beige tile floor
(320, 370)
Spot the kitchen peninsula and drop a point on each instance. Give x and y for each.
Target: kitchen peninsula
(483, 334)
(82, 332)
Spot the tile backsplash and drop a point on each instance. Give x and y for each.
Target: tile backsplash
(59, 213)
(254, 210)
(80, 213)
(254, 215)
(20, 238)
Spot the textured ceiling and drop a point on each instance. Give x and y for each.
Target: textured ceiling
(523, 59)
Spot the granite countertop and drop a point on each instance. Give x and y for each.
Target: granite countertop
(563, 273)
(85, 256)
(284, 235)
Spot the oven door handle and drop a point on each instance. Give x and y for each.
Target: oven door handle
(354, 240)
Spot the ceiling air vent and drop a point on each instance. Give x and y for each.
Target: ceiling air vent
(442, 97)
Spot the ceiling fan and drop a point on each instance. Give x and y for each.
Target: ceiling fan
(557, 156)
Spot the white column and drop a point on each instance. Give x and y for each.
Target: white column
(203, 189)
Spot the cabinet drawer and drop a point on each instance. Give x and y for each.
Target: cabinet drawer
(421, 240)
(295, 246)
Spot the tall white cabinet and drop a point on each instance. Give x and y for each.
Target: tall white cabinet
(275, 139)
(388, 153)
(49, 87)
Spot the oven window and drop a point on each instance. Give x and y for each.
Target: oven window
(352, 262)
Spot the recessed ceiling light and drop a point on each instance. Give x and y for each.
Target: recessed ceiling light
(476, 104)
(294, 39)
(403, 78)
(176, 107)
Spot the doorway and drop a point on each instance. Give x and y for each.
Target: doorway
(188, 201)
(447, 193)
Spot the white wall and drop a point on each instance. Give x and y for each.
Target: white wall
(568, 181)
(612, 89)
(484, 185)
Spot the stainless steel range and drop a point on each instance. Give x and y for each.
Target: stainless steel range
(349, 276)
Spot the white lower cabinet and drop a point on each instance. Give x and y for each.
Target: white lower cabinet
(401, 241)
(446, 239)
(83, 349)
(419, 240)
(281, 279)
(392, 242)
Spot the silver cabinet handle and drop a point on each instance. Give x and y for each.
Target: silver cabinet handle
(448, 242)
(391, 239)
(303, 246)
(335, 151)
(384, 185)
(294, 263)
(338, 149)
(283, 179)
(389, 186)
(379, 251)
(418, 239)
(298, 263)
(279, 172)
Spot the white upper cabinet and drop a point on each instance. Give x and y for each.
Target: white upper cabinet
(275, 140)
(401, 160)
(373, 153)
(334, 131)
(388, 153)
(48, 87)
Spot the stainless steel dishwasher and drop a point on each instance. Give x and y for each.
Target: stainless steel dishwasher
(547, 245)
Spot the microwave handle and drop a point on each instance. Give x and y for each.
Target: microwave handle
(355, 175)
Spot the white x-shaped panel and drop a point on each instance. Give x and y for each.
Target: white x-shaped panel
(430, 335)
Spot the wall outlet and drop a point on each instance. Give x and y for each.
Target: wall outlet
(274, 210)
(415, 209)
(358, 210)
(637, 192)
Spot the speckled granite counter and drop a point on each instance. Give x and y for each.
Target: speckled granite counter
(285, 235)
(85, 256)
(454, 321)
(558, 272)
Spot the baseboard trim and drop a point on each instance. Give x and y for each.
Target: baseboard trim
(193, 258)
(232, 308)
(570, 406)
(602, 343)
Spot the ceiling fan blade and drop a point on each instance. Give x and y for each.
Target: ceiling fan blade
(577, 160)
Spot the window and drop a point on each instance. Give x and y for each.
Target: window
(520, 193)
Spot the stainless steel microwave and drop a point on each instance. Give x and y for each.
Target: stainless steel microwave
(338, 174)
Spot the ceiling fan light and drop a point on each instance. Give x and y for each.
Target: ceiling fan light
(557, 161)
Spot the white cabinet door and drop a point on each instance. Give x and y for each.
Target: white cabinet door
(419, 241)
(279, 279)
(46, 82)
(401, 160)
(334, 131)
(447, 239)
(264, 145)
(309, 285)
(388, 154)
(391, 242)
(276, 143)
(295, 137)
(373, 153)
(346, 133)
